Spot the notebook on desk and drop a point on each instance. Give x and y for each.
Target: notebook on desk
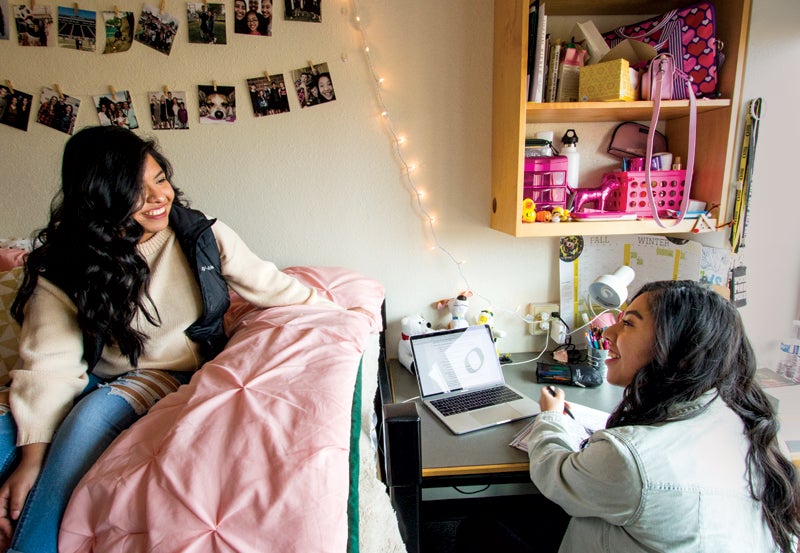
(461, 380)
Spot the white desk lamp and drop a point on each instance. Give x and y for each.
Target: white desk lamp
(611, 291)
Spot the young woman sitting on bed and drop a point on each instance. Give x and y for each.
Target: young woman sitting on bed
(689, 460)
(123, 299)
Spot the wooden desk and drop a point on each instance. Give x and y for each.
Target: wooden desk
(437, 458)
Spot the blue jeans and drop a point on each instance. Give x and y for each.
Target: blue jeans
(97, 418)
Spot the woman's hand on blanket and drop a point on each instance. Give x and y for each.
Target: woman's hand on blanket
(15, 490)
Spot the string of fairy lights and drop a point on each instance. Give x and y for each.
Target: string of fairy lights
(399, 140)
(408, 168)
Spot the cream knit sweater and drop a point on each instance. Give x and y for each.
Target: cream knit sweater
(53, 372)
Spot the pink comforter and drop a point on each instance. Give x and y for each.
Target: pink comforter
(252, 454)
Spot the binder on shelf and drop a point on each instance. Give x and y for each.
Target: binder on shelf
(539, 37)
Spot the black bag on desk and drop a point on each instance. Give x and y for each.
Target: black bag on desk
(572, 374)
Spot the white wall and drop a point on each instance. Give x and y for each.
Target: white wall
(323, 186)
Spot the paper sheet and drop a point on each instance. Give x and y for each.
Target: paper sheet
(587, 420)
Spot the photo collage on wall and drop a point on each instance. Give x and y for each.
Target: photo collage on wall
(116, 109)
(168, 110)
(268, 95)
(156, 29)
(34, 25)
(15, 108)
(57, 110)
(217, 104)
(313, 85)
(5, 16)
(252, 17)
(119, 31)
(76, 29)
(303, 10)
(72, 28)
(206, 23)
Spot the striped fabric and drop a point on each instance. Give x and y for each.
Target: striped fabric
(142, 388)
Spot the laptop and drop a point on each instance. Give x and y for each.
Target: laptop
(461, 380)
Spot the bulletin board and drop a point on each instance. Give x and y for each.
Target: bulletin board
(584, 258)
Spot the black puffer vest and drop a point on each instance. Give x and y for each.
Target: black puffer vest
(193, 231)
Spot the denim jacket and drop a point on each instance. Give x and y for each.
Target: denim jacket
(678, 486)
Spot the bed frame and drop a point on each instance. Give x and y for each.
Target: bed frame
(399, 451)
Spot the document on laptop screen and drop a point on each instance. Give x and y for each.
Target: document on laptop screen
(451, 362)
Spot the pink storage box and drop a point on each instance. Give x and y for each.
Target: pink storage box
(545, 181)
(631, 196)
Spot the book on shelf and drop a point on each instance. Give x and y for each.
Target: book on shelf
(537, 37)
(533, 12)
(552, 70)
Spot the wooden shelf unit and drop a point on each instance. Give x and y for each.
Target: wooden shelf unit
(715, 157)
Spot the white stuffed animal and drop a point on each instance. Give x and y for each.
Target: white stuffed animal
(410, 326)
(486, 317)
(458, 308)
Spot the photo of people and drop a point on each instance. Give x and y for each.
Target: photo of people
(156, 29)
(252, 17)
(268, 95)
(33, 24)
(15, 108)
(313, 85)
(303, 10)
(76, 29)
(58, 111)
(168, 110)
(206, 23)
(217, 103)
(4, 13)
(119, 31)
(116, 109)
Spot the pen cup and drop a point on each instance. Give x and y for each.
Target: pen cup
(597, 359)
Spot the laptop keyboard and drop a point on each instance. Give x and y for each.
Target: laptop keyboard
(474, 400)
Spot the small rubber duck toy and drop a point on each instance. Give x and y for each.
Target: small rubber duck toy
(528, 211)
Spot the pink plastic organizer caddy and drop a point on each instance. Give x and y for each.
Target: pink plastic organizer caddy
(545, 181)
(630, 195)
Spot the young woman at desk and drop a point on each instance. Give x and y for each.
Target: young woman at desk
(689, 460)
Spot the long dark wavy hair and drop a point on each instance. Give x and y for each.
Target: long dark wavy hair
(89, 245)
(702, 346)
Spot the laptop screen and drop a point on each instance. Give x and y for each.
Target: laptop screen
(458, 359)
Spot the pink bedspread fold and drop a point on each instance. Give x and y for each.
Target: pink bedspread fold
(252, 454)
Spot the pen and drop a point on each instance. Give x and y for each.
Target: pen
(566, 409)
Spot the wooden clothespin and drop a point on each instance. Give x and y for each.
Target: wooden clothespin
(9, 87)
(214, 84)
(166, 89)
(163, 6)
(311, 65)
(116, 11)
(113, 93)
(267, 76)
(76, 8)
(58, 90)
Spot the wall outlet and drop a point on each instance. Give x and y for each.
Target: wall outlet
(542, 316)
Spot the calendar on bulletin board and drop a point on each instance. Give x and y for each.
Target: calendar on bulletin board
(584, 258)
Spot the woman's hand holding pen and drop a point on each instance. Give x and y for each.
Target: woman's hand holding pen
(552, 399)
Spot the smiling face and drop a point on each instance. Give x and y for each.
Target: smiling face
(239, 9)
(157, 196)
(252, 21)
(325, 87)
(631, 342)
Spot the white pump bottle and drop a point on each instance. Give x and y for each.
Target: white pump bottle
(570, 142)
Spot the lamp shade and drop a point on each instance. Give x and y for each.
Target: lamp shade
(610, 291)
